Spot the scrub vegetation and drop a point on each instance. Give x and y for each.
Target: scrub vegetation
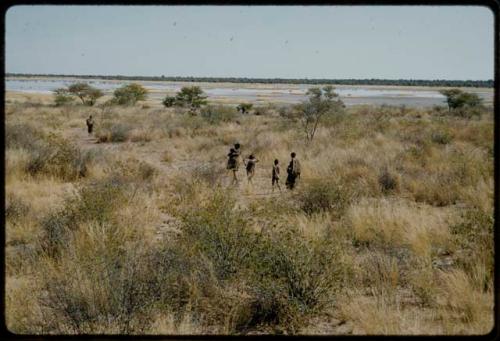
(138, 230)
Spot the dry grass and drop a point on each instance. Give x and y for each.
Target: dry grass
(390, 229)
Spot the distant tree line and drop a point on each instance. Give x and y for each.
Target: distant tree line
(350, 81)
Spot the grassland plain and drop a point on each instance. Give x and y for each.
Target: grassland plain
(137, 229)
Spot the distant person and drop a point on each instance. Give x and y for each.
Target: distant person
(276, 175)
(232, 164)
(250, 167)
(237, 150)
(90, 124)
(293, 171)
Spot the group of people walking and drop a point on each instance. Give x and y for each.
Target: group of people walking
(233, 163)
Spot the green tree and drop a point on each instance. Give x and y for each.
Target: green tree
(456, 99)
(244, 107)
(62, 96)
(86, 93)
(130, 94)
(192, 97)
(321, 102)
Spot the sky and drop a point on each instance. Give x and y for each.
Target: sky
(392, 42)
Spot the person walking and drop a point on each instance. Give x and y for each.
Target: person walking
(250, 167)
(276, 175)
(293, 171)
(90, 124)
(232, 164)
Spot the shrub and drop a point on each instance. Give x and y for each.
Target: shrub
(130, 94)
(474, 235)
(388, 182)
(112, 289)
(291, 278)
(62, 97)
(323, 195)
(58, 157)
(441, 137)
(22, 135)
(286, 277)
(288, 112)
(15, 208)
(169, 101)
(189, 96)
(262, 111)
(95, 202)
(217, 114)
(210, 173)
(118, 132)
(219, 233)
(244, 107)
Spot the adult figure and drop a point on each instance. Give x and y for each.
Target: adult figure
(90, 124)
(293, 171)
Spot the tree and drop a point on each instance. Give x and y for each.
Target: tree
(191, 96)
(130, 94)
(244, 107)
(457, 99)
(321, 102)
(62, 96)
(87, 94)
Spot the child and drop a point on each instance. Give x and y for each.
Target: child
(250, 167)
(276, 174)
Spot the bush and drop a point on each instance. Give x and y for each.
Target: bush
(130, 94)
(219, 233)
(474, 235)
(118, 132)
(388, 182)
(95, 202)
(22, 135)
(323, 195)
(291, 279)
(169, 101)
(286, 278)
(217, 114)
(441, 137)
(62, 97)
(15, 208)
(57, 157)
(244, 107)
(189, 96)
(100, 287)
(210, 173)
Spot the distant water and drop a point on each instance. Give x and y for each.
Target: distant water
(294, 94)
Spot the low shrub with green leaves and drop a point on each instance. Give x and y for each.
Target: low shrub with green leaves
(22, 135)
(441, 137)
(287, 276)
(94, 202)
(117, 132)
(323, 195)
(56, 156)
(216, 114)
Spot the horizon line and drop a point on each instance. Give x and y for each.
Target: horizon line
(7, 74)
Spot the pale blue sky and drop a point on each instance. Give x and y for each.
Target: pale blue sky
(419, 42)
